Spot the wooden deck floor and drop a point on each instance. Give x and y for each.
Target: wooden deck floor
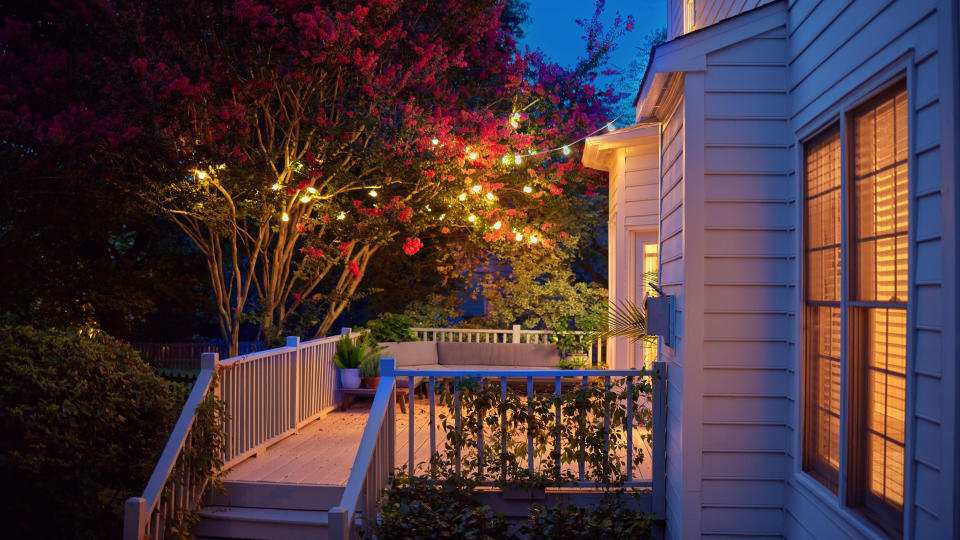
(322, 453)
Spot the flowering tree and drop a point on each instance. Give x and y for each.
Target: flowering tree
(292, 141)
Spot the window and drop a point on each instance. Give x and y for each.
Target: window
(650, 270)
(871, 311)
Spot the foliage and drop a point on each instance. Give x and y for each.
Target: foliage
(576, 362)
(584, 432)
(370, 367)
(625, 319)
(350, 354)
(433, 311)
(568, 343)
(391, 327)
(83, 422)
(292, 142)
(613, 518)
(540, 292)
(415, 508)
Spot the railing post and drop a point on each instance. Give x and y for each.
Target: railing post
(659, 445)
(135, 518)
(336, 523)
(516, 333)
(294, 341)
(209, 360)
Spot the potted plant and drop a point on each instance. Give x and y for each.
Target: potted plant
(572, 347)
(370, 370)
(347, 358)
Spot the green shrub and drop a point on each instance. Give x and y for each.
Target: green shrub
(415, 508)
(370, 367)
(350, 354)
(82, 423)
(391, 327)
(612, 519)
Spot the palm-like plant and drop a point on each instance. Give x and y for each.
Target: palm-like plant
(625, 319)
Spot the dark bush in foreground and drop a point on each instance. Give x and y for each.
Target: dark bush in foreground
(82, 421)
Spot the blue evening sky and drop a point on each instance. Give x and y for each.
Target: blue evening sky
(551, 28)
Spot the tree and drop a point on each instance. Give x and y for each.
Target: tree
(293, 142)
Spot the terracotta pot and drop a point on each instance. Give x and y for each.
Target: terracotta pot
(371, 382)
(350, 378)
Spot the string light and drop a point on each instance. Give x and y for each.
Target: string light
(201, 175)
(566, 150)
(497, 225)
(312, 189)
(533, 239)
(275, 187)
(490, 196)
(442, 216)
(305, 199)
(611, 127)
(472, 218)
(462, 197)
(285, 217)
(527, 189)
(373, 193)
(519, 237)
(505, 160)
(517, 160)
(341, 216)
(435, 141)
(477, 188)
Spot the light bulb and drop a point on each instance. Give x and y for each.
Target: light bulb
(201, 175)
(462, 197)
(472, 218)
(527, 189)
(442, 216)
(611, 127)
(505, 160)
(373, 193)
(341, 216)
(519, 237)
(517, 160)
(435, 141)
(473, 155)
(515, 117)
(312, 189)
(275, 187)
(304, 199)
(490, 196)
(285, 217)
(497, 225)
(533, 239)
(477, 188)
(566, 150)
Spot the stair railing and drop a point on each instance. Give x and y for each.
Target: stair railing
(374, 464)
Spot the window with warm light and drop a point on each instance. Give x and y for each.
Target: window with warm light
(869, 233)
(650, 268)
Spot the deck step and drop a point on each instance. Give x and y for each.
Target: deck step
(276, 495)
(261, 523)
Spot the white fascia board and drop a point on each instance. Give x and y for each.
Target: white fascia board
(597, 149)
(689, 52)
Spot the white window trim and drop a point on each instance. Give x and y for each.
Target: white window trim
(902, 68)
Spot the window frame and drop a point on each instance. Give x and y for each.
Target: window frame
(899, 72)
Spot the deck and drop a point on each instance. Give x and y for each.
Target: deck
(322, 453)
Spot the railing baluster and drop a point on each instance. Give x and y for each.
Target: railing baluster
(433, 428)
(503, 429)
(480, 433)
(606, 418)
(411, 420)
(530, 424)
(629, 429)
(459, 428)
(583, 414)
(558, 389)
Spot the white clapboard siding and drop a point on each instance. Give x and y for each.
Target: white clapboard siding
(834, 48)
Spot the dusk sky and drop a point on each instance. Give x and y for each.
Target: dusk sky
(553, 29)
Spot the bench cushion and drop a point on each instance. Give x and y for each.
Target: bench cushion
(497, 355)
(411, 353)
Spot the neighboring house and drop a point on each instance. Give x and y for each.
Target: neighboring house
(794, 166)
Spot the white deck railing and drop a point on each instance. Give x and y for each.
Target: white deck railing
(269, 395)
(375, 458)
(596, 351)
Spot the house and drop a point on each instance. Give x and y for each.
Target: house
(793, 173)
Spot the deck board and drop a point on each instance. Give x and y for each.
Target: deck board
(323, 452)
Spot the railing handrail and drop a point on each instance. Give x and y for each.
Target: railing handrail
(523, 373)
(491, 330)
